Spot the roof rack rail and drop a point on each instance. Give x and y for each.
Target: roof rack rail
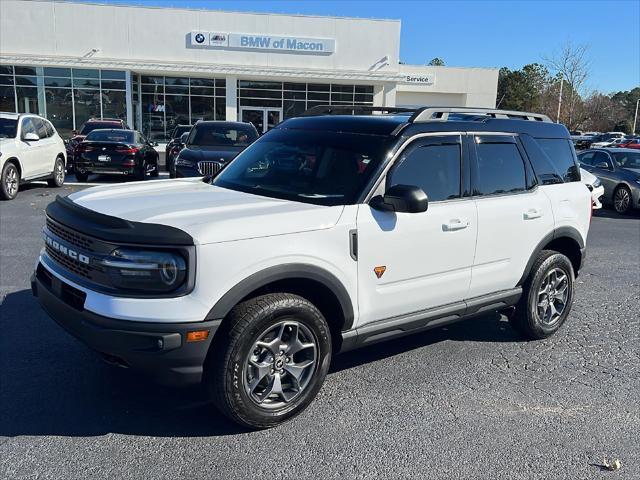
(441, 114)
(353, 110)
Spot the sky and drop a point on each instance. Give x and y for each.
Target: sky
(485, 33)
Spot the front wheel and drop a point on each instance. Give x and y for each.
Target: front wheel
(10, 181)
(269, 361)
(622, 199)
(546, 298)
(57, 179)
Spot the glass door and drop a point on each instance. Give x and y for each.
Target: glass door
(262, 118)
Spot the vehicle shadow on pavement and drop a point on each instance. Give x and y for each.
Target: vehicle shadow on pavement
(51, 384)
(491, 327)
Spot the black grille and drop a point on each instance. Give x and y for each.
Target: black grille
(209, 168)
(69, 263)
(70, 236)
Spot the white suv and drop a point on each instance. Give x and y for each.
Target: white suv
(329, 233)
(30, 149)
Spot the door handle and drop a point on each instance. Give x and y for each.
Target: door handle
(532, 213)
(455, 224)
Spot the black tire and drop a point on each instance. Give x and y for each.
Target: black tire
(82, 177)
(226, 375)
(9, 181)
(622, 200)
(527, 318)
(156, 171)
(140, 173)
(57, 180)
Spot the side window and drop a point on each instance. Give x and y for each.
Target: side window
(28, 126)
(601, 157)
(41, 130)
(561, 154)
(434, 167)
(586, 158)
(501, 168)
(50, 130)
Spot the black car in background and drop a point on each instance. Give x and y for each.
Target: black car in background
(88, 127)
(175, 145)
(211, 145)
(116, 152)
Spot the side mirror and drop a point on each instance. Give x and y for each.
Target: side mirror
(154, 144)
(31, 137)
(604, 165)
(74, 132)
(401, 199)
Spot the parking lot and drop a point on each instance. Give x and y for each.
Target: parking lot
(470, 400)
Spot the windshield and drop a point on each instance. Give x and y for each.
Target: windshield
(125, 136)
(627, 159)
(178, 131)
(220, 135)
(8, 127)
(325, 168)
(90, 127)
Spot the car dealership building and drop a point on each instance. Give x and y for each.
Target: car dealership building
(160, 67)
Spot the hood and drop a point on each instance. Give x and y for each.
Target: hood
(196, 153)
(209, 214)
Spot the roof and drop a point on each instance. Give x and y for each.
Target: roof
(368, 124)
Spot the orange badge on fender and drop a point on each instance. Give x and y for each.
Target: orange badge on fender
(379, 271)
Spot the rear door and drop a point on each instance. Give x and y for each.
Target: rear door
(514, 214)
(409, 262)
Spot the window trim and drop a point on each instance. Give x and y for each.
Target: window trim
(529, 173)
(428, 142)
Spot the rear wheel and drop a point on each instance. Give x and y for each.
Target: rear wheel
(10, 180)
(622, 199)
(546, 298)
(81, 177)
(156, 170)
(140, 173)
(57, 179)
(269, 360)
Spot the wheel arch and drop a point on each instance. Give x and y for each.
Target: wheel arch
(16, 162)
(316, 284)
(565, 240)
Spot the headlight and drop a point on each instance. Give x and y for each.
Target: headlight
(153, 271)
(597, 183)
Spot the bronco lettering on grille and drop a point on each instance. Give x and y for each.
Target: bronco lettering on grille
(66, 250)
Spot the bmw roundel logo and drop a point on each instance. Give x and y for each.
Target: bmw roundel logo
(199, 38)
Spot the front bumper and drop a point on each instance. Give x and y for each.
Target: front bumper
(159, 350)
(186, 172)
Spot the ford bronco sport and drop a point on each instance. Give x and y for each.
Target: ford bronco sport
(333, 231)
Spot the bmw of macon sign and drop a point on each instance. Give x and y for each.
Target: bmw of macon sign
(271, 43)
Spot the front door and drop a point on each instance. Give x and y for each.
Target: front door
(409, 262)
(263, 118)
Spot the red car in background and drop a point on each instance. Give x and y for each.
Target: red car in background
(630, 143)
(89, 126)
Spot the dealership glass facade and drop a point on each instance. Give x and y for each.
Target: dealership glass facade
(162, 102)
(70, 96)
(66, 96)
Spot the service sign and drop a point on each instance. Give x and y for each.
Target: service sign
(422, 79)
(257, 42)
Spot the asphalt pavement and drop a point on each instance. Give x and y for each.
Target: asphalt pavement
(469, 401)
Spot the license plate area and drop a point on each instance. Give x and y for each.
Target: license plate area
(104, 158)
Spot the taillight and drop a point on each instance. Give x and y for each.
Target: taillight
(127, 150)
(84, 148)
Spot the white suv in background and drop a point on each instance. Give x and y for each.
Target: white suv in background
(30, 149)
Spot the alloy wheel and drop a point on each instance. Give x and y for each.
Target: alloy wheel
(11, 181)
(281, 364)
(622, 200)
(552, 296)
(59, 172)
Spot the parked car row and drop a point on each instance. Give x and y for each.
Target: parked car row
(583, 141)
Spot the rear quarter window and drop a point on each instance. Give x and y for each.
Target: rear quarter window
(561, 155)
